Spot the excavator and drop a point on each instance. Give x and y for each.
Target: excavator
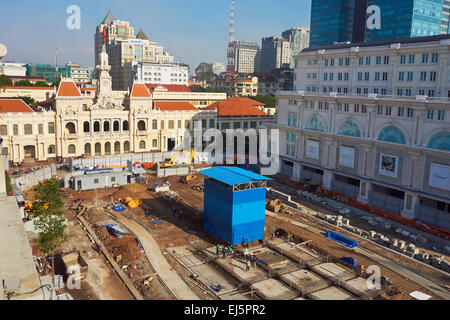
(171, 162)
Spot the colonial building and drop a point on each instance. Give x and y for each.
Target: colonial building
(101, 122)
(386, 144)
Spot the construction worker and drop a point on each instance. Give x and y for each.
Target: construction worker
(230, 251)
(218, 250)
(174, 211)
(247, 242)
(224, 252)
(254, 260)
(246, 253)
(248, 265)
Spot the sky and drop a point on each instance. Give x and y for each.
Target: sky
(193, 31)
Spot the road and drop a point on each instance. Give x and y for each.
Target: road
(168, 275)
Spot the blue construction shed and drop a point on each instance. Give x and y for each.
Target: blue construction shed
(234, 201)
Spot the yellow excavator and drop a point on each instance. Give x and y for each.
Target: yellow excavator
(171, 162)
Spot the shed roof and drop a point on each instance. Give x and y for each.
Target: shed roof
(233, 175)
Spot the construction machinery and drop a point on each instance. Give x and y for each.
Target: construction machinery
(190, 177)
(180, 158)
(35, 207)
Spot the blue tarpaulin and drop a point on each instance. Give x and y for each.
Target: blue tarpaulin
(341, 239)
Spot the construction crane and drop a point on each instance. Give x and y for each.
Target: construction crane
(171, 162)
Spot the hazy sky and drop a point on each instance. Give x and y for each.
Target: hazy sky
(192, 30)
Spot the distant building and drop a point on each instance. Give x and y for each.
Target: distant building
(275, 53)
(246, 57)
(218, 67)
(13, 69)
(299, 39)
(237, 84)
(51, 73)
(79, 74)
(157, 73)
(126, 50)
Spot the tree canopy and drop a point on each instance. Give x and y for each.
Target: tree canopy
(269, 100)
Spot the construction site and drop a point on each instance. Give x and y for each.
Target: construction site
(226, 233)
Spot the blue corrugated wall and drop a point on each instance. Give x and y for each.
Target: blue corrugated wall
(234, 216)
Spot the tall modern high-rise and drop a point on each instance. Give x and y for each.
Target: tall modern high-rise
(245, 57)
(275, 53)
(125, 50)
(345, 20)
(299, 39)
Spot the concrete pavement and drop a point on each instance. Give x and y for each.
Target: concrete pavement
(170, 277)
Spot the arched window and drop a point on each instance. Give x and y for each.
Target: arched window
(440, 141)
(98, 149)
(126, 146)
(116, 126)
(71, 149)
(86, 127)
(51, 149)
(107, 148)
(125, 126)
(70, 128)
(142, 145)
(155, 143)
(141, 125)
(87, 149)
(106, 126)
(392, 134)
(349, 128)
(117, 147)
(155, 124)
(315, 124)
(97, 126)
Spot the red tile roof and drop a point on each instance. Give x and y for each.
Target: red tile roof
(167, 87)
(139, 90)
(236, 107)
(68, 89)
(174, 106)
(14, 105)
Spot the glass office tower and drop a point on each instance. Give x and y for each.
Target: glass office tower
(342, 20)
(407, 19)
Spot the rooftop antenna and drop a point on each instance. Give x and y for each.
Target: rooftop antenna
(230, 52)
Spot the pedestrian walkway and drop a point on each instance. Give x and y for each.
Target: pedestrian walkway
(170, 277)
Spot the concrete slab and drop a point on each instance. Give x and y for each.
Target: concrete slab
(236, 267)
(16, 259)
(212, 275)
(331, 293)
(273, 261)
(210, 252)
(272, 289)
(299, 254)
(185, 256)
(305, 281)
(332, 271)
(238, 296)
(181, 251)
(358, 286)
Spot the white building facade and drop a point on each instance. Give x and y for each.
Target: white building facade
(390, 150)
(161, 73)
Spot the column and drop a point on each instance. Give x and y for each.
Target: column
(410, 205)
(297, 171)
(327, 177)
(364, 190)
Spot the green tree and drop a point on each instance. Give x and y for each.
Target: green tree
(41, 84)
(5, 81)
(28, 100)
(56, 83)
(50, 222)
(269, 100)
(204, 72)
(24, 83)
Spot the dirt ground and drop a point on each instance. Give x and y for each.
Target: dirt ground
(159, 215)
